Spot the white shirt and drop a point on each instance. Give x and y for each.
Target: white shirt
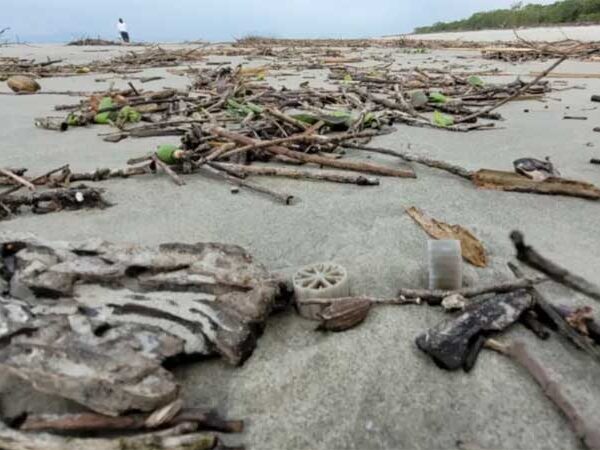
(122, 27)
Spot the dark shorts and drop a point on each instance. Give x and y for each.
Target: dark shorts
(125, 36)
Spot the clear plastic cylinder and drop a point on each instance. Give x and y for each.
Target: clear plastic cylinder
(445, 264)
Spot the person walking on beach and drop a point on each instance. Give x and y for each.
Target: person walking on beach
(122, 27)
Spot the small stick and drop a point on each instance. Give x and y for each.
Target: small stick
(373, 300)
(514, 95)
(532, 258)
(436, 164)
(165, 167)
(595, 161)
(135, 91)
(35, 180)
(435, 297)
(285, 118)
(17, 178)
(517, 351)
(286, 199)
(333, 176)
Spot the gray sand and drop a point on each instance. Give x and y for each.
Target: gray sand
(369, 388)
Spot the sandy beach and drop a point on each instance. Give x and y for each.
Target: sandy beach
(589, 33)
(370, 387)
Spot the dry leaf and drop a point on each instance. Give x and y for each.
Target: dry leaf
(472, 249)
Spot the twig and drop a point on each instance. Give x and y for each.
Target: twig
(372, 300)
(165, 167)
(286, 199)
(436, 164)
(17, 178)
(532, 258)
(589, 433)
(435, 297)
(35, 180)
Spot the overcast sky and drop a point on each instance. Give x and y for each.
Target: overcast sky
(221, 20)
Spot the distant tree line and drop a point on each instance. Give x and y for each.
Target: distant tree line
(519, 15)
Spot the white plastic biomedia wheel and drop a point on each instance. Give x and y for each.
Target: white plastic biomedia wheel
(323, 280)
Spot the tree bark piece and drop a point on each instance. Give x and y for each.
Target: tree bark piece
(108, 384)
(340, 164)
(585, 430)
(532, 258)
(513, 182)
(322, 175)
(435, 298)
(450, 343)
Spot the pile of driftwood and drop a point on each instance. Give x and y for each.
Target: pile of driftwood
(523, 50)
(94, 322)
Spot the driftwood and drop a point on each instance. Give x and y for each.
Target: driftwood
(436, 297)
(87, 422)
(56, 200)
(181, 437)
(36, 180)
(554, 318)
(513, 182)
(455, 342)
(340, 164)
(532, 258)
(10, 174)
(321, 175)
(588, 432)
(423, 160)
(105, 383)
(119, 311)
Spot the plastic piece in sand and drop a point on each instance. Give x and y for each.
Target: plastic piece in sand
(445, 264)
(322, 280)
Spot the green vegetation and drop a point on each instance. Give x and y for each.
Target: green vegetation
(519, 15)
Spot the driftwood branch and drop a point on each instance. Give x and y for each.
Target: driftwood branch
(87, 422)
(423, 160)
(434, 297)
(532, 258)
(562, 326)
(35, 180)
(181, 437)
(17, 178)
(322, 175)
(588, 432)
